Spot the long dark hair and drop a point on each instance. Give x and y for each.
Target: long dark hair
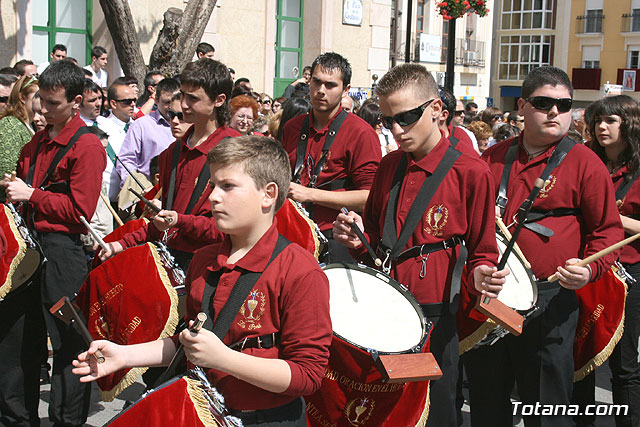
(627, 109)
(291, 108)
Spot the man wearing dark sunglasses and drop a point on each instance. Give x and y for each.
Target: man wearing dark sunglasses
(334, 155)
(573, 216)
(459, 209)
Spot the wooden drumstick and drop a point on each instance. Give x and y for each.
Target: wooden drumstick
(94, 234)
(599, 254)
(13, 176)
(149, 204)
(108, 203)
(377, 261)
(507, 234)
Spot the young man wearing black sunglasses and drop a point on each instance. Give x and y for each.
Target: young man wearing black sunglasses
(460, 209)
(205, 88)
(573, 216)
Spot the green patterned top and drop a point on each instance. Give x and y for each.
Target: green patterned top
(14, 135)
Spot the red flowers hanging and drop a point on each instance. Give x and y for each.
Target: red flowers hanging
(453, 9)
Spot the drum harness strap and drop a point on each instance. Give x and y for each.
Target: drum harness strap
(452, 139)
(303, 144)
(201, 183)
(532, 217)
(237, 297)
(392, 246)
(626, 186)
(56, 187)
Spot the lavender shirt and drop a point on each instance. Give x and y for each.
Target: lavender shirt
(147, 137)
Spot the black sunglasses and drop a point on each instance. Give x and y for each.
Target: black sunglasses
(173, 114)
(458, 113)
(127, 101)
(546, 103)
(4, 99)
(406, 118)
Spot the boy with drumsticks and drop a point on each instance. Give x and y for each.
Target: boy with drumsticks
(573, 216)
(278, 344)
(430, 261)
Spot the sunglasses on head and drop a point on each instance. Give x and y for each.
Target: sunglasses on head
(127, 101)
(546, 103)
(173, 114)
(266, 101)
(406, 118)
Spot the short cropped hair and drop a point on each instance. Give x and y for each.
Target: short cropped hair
(170, 86)
(91, 86)
(112, 92)
(7, 79)
(97, 132)
(63, 75)
(60, 47)
(331, 61)
(546, 75)
(470, 105)
(214, 78)
(448, 103)
(204, 48)
(20, 65)
(262, 158)
(408, 75)
(98, 51)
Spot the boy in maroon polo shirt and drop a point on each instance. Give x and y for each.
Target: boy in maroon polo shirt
(259, 379)
(460, 209)
(578, 198)
(206, 88)
(57, 192)
(342, 177)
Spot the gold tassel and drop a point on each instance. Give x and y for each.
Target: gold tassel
(483, 330)
(200, 402)
(422, 422)
(22, 250)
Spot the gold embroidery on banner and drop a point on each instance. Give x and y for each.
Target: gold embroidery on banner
(255, 300)
(345, 381)
(436, 218)
(102, 328)
(548, 185)
(359, 410)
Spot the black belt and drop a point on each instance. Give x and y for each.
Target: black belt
(263, 341)
(544, 285)
(289, 411)
(428, 248)
(439, 309)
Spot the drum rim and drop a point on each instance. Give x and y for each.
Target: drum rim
(18, 289)
(532, 277)
(426, 330)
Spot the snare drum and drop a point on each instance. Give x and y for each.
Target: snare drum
(183, 401)
(371, 313)
(23, 259)
(128, 299)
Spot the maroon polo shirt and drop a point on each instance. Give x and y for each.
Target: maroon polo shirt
(292, 301)
(195, 230)
(580, 182)
(355, 154)
(464, 203)
(82, 167)
(464, 145)
(630, 254)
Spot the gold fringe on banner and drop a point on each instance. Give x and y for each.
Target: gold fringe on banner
(22, 250)
(200, 402)
(422, 422)
(483, 330)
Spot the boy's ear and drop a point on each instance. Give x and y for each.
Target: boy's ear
(219, 100)
(270, 195)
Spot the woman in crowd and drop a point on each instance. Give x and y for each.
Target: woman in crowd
(265, 104)
(15, 124)
(244, 109)
(502, 131)
(615, 128)
(482, 132)
(277, 104)
(39, 122)
(491, 116)
(291, 108)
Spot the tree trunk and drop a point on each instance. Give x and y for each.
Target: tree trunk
(125, 37)
(180, 35)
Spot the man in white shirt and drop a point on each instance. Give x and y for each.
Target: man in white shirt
(97, 66)
(58, 52)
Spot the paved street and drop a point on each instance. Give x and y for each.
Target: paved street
(100, 412)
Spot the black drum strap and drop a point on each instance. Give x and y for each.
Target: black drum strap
(203, 180)
(509, 158)
(453, 140)
(237, 297)
(626, 186)
(174, 171)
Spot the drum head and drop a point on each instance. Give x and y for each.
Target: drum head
(372, 311)
(520, 291)
(27, 268)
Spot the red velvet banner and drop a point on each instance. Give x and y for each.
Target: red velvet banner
(128, 299)
(179, 403)
(353, 394)
(118, 233)
(295, 226)
(15, 251)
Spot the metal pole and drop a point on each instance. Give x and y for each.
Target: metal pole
(451, 52)
(407, 51)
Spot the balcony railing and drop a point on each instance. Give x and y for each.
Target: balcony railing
(630, 22)
(469, 53)
(621, 78)
(586, 78)
(589, 24)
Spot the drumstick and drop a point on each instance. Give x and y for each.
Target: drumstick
(507, 234)
(113, 212)
(148, 203)
(13, 176)
(179, 354)
(599, 254)
(365, 242)
(94, 234)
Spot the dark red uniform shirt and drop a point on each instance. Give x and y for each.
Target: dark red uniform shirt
(580, 182)
(82, 167)
(464, 145)
(630, 254)
(292, 301)
(197, 229)
(355, 154)
(464, 206)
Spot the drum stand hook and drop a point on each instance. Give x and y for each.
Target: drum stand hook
(386, 264)
(423, 259)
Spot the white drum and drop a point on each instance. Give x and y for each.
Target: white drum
(520, 291)
(372, 311)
